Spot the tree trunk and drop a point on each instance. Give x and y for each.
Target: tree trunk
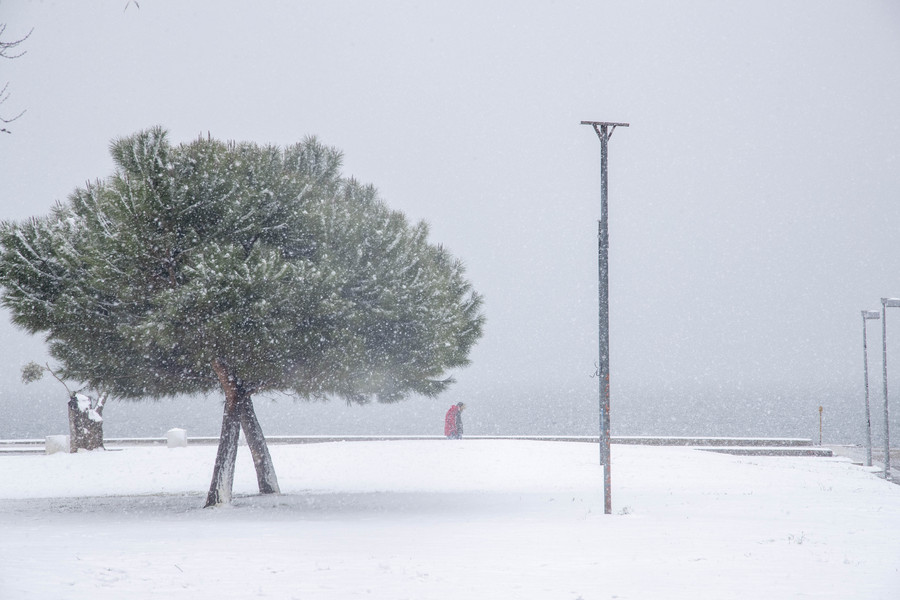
(262, 460)
(238, 414)
(223, 472)
(85, 424)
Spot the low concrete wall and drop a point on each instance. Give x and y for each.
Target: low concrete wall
(313, 439)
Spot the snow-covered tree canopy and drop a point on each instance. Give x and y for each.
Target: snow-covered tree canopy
(261, 259)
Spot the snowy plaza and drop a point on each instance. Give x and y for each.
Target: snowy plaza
(448, 519)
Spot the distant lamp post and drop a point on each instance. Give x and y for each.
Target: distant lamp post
(821, 409)
(885, 304)
(868, 315)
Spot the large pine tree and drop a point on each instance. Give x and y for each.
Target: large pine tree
(241, 267)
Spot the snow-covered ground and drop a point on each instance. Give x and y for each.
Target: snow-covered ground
(448, 519)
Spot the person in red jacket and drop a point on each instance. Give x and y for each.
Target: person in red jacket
(453, 426)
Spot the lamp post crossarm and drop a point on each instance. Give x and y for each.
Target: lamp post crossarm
(600, 127)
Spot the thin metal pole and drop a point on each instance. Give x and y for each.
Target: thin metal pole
(821, 408)
(887, 430)
(603, 320)
(604, 131)
(868, 413)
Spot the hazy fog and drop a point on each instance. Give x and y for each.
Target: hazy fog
(754, 201)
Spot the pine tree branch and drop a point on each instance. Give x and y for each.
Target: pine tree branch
(49, 370)
(5, 52)
(5, 47)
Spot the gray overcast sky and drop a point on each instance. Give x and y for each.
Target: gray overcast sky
(755, 199)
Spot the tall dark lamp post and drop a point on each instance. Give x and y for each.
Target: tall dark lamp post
(868, 315)
(604, 131)
(885, 304)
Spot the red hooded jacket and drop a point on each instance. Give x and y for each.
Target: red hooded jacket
(451, 421)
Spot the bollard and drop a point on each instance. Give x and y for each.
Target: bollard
(56, 443)
(176, 438)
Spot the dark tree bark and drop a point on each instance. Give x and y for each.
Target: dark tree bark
(238, 414)
(84, 432)
(223, 471)
(256, 441)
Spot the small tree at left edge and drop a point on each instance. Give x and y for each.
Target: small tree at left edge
(85, 412)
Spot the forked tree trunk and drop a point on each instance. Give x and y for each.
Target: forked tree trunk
(238, 414)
